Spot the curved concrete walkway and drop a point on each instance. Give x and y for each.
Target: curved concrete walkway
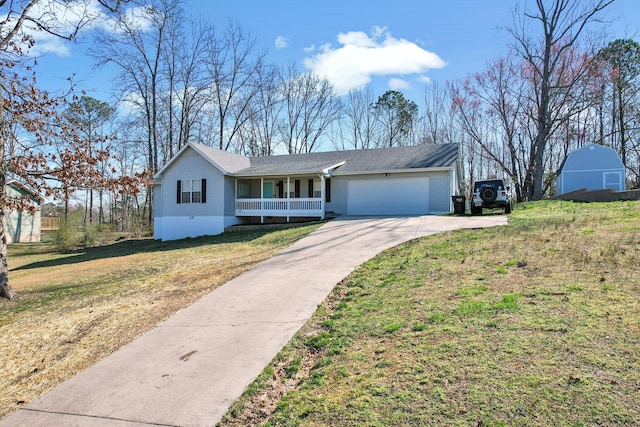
(190, 369)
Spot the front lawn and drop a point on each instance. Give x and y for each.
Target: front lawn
(532, 324)
(73, 309)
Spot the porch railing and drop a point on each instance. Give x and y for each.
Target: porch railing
(279, 207)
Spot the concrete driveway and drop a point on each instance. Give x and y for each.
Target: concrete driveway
(191, 368)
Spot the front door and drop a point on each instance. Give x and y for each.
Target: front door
(267, 189)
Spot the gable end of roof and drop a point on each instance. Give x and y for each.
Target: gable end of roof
(225, 162)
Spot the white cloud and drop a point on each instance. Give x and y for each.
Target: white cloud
(282, 42)
(425, 79)
(362, 56)
(310, 49)
(398, 84)
(64, 18)
(378, 31)
(357, 39)
(130, 102)
(59, 17)
(48, 43)
(137, 17)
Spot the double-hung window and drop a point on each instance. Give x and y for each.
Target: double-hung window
(192, 191)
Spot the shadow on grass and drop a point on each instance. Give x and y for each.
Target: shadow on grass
(136, 246)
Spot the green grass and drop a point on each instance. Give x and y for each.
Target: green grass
(533, 324)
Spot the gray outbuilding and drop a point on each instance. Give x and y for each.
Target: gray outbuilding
(23, 226)
(594, 167)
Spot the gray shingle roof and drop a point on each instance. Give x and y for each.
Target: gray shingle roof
(355, 161)
(229, 162)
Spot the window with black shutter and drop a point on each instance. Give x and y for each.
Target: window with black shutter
(327, 190)
(204, 190)
(191, 191)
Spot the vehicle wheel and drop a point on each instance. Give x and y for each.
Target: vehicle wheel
(488, 194)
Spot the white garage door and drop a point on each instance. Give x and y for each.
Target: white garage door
(389, 196)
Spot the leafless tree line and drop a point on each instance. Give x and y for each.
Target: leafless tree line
(197, 83)
(551, 94)
(555, 91)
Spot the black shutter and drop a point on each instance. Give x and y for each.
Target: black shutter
(204, 191)
(179, 199)
(327, 190)
(280, 189)
(310, 190)
(296, 193)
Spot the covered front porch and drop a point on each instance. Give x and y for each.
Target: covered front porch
(281, 196)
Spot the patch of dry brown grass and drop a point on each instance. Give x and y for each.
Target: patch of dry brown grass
(72, 310)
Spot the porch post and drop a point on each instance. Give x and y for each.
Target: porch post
(261, 200)
(322, 196)
(288, 201)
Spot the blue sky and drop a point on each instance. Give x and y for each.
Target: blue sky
(401, 44)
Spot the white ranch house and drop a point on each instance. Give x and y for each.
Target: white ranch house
(202, 190)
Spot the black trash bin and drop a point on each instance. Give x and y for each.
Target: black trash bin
(458, 204)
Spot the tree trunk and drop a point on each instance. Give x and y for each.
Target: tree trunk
(100, 206)
(538, 167)
(5, 289)
(622, 127)
(91, 207)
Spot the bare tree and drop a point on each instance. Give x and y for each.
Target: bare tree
(438, 121)
(258, 136)
(360, 127)
(233, 62)
(619, 65)
(310, 107)
(136, 47)
(492, 109)
(130, 155)
(89, 115)
(548, 55)
(192, 88)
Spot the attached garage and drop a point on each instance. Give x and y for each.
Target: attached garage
(389, 195)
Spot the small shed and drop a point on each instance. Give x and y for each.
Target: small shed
(594, 167)
(23, 226)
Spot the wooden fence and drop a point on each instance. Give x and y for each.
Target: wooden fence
(48, 224)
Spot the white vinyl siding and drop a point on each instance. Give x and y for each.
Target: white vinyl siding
(192, 166)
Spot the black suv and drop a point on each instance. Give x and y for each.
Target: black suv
(491, 193)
